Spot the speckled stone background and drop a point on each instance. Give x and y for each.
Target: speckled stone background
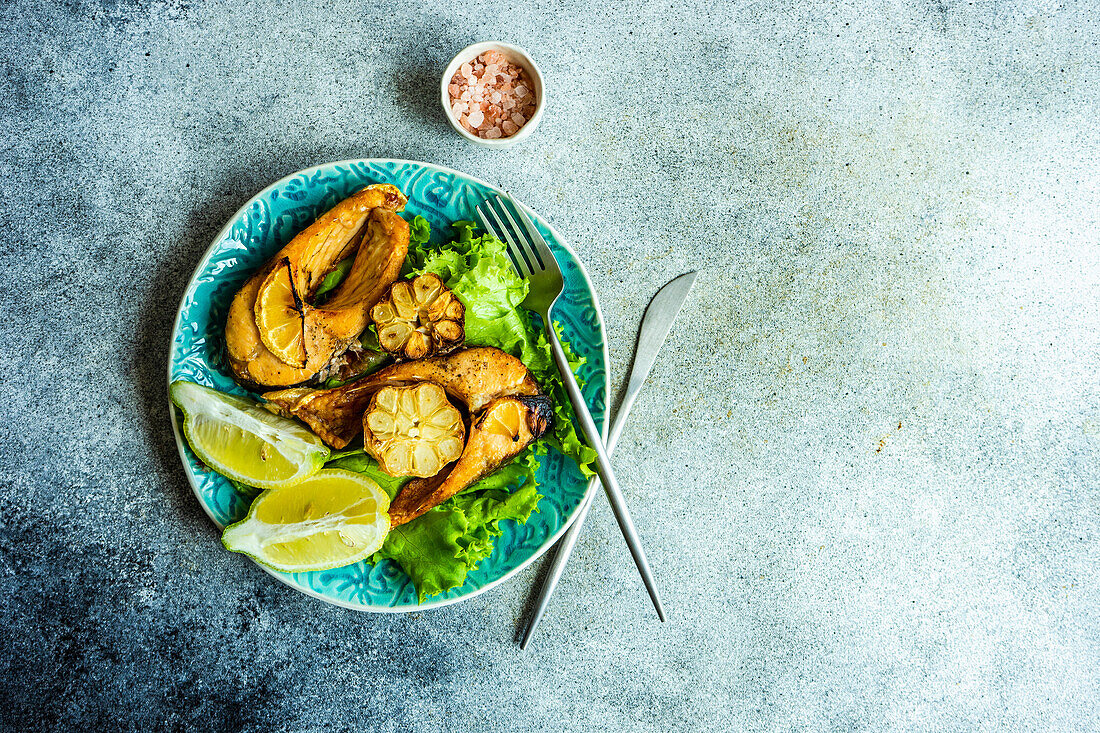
(866, 466)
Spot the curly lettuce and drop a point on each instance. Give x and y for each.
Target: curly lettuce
(477, 269)
(440, 548)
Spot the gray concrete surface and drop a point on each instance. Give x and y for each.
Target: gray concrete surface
(866, 467)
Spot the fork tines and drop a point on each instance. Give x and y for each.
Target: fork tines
(523, 246)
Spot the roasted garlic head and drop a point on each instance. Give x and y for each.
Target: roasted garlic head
(413, 431)
(419, 318)
(503, 430)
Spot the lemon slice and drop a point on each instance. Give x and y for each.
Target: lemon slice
(333, 518)
(243, 441)
(280, 316)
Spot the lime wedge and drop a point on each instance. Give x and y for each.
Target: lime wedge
(331, 519)
(241, 440)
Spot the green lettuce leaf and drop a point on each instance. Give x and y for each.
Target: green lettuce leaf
(478, 271)
(420, 231)
(364, 464)
(439, 549)
(428, 550)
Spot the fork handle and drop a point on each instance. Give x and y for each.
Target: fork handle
(603, 467)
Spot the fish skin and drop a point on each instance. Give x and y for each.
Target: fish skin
(367, 217)
(473, 376)
(486, 450)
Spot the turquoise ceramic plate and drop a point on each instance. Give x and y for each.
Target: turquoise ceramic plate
(255, 233)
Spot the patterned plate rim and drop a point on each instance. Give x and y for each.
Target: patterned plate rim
(225, 230)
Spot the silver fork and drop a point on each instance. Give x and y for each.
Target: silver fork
(532, 258)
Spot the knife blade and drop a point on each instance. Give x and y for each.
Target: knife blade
(658, 319)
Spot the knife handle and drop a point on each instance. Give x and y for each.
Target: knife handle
(569, 539)
(603, 468)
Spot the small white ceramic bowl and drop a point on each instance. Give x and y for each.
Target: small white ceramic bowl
(517, 56)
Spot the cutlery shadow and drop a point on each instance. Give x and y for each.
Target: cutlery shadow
(547, 561)
(528, 610)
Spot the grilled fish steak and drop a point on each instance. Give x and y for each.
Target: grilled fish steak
(506, 427)
(364, 224)
(473, 376)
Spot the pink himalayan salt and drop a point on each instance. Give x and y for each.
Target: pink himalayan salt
(491, 97)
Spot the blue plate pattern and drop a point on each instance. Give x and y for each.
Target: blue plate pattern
(261, 228)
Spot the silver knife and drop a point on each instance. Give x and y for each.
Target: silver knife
(658, 320)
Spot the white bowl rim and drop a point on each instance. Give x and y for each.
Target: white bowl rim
(474, 50)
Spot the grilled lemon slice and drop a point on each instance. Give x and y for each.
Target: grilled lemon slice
(243, 441)
(331, 519)
(413, 431)
(419, 318)
(280, 316)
